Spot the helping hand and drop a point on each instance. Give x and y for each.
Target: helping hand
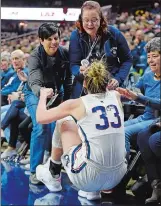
(46, 92)
(127, 93)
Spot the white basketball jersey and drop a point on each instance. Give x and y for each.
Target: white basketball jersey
(103, 128)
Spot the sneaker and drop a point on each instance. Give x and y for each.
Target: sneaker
(25, 161)
(46, 156)
(49, 199)
(43, 174)
(36, 189)
(33, 180)
(27, 166)
(90, 195)
(18, 145)
(9, 154)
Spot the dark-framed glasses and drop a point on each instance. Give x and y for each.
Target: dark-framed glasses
(92, 21)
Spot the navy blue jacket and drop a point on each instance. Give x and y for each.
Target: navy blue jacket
(118, 56)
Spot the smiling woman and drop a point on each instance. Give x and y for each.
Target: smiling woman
(153, 56)
(95, 40)
(50, 41)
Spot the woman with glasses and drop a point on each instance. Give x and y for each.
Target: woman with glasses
(94, 39)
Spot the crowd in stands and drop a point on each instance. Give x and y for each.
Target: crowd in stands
(18, 118)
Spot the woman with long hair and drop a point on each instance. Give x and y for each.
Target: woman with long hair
(93, 39)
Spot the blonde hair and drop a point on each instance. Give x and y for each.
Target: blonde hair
(96, 77)
(18, 53)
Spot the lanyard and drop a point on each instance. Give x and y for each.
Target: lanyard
(92, 47)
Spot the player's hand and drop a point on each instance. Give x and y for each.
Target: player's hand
(127, 93)
(46, 92)
(113, 84)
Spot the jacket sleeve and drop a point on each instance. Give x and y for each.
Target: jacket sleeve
(35, 78)
(67, 84)
(154, 103)
(6, 78)
(11, 87)
(124, 56)
(75, 55)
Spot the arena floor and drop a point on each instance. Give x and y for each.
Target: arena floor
(16, 190)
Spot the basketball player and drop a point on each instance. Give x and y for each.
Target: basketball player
(89, 137)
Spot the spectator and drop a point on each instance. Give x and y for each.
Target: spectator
(6, 70)
(17, 59)
(48, 67)
(94, 39)
(156, 9)
(138, 51)
(149, 142)
(149, 83)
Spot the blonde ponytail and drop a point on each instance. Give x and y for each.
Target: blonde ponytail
(97, 77)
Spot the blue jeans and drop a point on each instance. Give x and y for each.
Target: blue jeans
(12, 113)
(41, 136)
(150, 147)
(132, 128)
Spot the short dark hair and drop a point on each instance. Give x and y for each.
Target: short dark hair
(48, 29)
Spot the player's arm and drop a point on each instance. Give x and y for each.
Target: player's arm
(45, 116)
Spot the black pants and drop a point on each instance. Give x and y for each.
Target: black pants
(25, 129)
(4, 100)
(149, 142)
(14, 128)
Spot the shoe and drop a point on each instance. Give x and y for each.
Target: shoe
(27, 167)
(156, 194)
(49, 199)
(33, 180)
(46, 156)
(8, 154)
(18, 145)
(3, 139)
(25, 161)
(7, 166)
(36, 189)
(43, 174)
(90, 195)
(141, 187)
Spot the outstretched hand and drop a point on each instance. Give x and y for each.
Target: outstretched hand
(46, 92)
(127, 93)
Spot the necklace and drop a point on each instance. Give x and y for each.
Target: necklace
(157, 76)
